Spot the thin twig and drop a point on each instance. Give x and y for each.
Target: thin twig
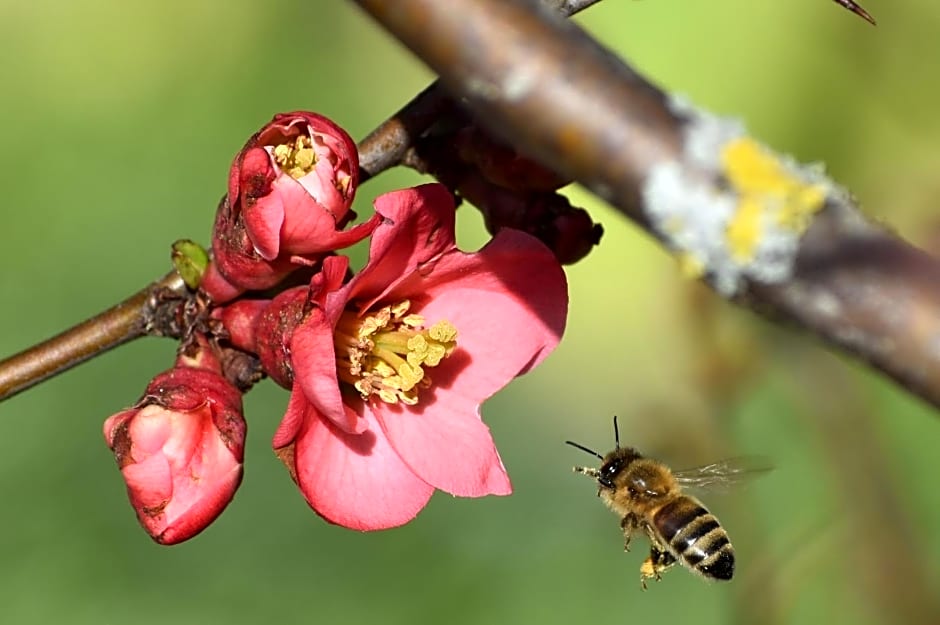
(548, 89)
(131, 319)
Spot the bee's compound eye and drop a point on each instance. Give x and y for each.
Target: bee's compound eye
(607, 473)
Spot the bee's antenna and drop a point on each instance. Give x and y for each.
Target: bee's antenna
(583, 448)
(616, 433)
(852, 6)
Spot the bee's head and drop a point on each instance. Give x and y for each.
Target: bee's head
(611, 464)
(615, 462)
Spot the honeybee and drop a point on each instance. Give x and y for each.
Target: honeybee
(854, 7)
(648, 496)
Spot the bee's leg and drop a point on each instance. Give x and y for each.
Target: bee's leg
(658, 561)
(655, 542)
(628, 524)
(588, 471)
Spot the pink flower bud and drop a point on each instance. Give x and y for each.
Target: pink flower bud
(239, 320)
(295, 181)
(289, 194)
(180, 451)
(236, 266)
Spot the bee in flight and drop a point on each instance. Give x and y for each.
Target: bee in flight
(854, 7)
(648, 496)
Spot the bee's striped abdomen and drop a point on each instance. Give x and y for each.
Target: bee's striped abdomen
(694, 535)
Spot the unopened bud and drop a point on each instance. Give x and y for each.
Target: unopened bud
(180, 451)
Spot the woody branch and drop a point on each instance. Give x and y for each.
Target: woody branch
(546, 87)
(549, 89)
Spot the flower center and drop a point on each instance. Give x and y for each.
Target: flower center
(385, 354)
(296, 159)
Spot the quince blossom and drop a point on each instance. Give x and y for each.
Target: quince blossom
(389, 369)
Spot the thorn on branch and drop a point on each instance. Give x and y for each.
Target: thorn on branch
(854, 7)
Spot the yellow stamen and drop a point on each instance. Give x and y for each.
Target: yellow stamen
(385, 354)
(296, 159)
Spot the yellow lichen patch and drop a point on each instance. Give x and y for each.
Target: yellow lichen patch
(800, 211)
(769, 194)
(296, 159)
(385, 354)
(745, 230)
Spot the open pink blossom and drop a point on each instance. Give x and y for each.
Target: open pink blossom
(289, 193)
(180, 451)
(390, 369)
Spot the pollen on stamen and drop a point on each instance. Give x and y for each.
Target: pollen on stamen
(392, 349)
(295, 159)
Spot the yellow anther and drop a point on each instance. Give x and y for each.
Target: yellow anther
(386, 360)
(296, 159)
(443, 332)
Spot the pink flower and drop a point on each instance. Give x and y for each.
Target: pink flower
(289, 193)
(295, 181)
(390, 369)
(180, 451)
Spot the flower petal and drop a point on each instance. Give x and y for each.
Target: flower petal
(448, 446)
(215, 496)
(308, 224)
(262, 210)
(264, 220)
(509, 303)
(292, 421)
(313, 354)
(356, 480)
(149, 482)
(419, 225)
(314, 359)
(321, 182)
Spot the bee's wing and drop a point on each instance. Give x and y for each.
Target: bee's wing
(723, 474)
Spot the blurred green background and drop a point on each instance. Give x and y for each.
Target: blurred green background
(119, 121)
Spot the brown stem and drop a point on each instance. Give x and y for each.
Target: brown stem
(547, 88)
(543, 85)
(387, 145)
(134, 317)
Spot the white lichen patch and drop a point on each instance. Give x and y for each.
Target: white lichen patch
(731, 208)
